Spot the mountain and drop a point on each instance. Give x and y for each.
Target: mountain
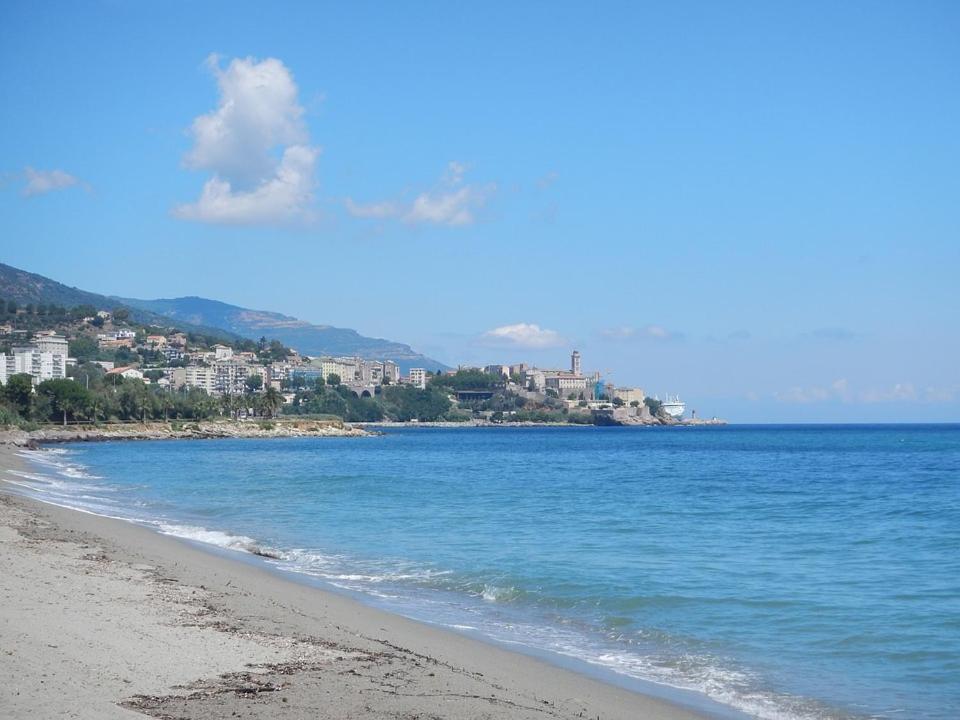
(305, 337)
(26, 287)
(212, 317)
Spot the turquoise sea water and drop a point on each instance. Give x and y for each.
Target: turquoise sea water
(785, 572)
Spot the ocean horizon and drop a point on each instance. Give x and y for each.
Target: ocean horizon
(800, 572)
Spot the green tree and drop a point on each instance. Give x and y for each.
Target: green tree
(134, 400)
(83, 348)
(272, 401)
(363, 410)
(467, 380)
(82, 311)
(18, 392)
(65, 397)
(121, 315)
(333, 379)
(253, 382)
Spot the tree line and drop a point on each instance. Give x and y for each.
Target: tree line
(93, 396)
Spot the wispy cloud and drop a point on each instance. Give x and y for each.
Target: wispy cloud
(548, 179)
(645, 332)
(898, 392)
(525, 335)
(452, 202)
(256, 145)
(842, 391)
(386, 209)
(838, 390)
(40, 182)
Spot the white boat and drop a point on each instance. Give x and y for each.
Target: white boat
(674, 406)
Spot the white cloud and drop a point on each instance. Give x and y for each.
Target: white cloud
(450, 203)
(621, 332)
(527, 335)
(44, 181)
(648, 332)
(386, 209)
(258, 118)
(456, 207)
(657, 331)
(285, 196)
(941, 394)
(799, 395)
(842, 391)
(838, 390)
(899, 392)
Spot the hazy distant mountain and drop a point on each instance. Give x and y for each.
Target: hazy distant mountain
(26, 287)
(304, 336)
(213, 317)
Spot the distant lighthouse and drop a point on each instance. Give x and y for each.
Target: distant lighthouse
(575, 363)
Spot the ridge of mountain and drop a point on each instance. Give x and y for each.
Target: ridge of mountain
(214, 317)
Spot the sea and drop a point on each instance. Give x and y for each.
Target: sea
(777, 572)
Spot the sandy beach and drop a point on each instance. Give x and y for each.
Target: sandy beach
(100, 618)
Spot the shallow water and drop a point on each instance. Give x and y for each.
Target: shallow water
(788, 572)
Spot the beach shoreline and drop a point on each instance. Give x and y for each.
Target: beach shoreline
(180, 430)
(105, 618)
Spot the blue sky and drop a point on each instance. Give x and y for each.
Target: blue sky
(755, 205)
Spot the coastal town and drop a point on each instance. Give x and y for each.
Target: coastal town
(148, 368)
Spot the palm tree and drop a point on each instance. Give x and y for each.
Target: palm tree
(226, 405)
(272, 401)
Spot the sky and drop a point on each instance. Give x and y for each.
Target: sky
(754, 205)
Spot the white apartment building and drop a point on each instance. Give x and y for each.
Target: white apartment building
(355, 369)
(52, 344)
(391, 371)
(347, 369)
(198, 376)
(32, 361)
(231, 378)
(45, 359)
(418, 377)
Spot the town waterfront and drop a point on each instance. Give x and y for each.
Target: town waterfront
(783, 571)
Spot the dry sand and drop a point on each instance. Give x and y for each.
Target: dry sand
(100, 618)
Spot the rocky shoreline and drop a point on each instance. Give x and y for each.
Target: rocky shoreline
(639, 422)
(181, 430)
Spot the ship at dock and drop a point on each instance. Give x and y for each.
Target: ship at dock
(673, 406)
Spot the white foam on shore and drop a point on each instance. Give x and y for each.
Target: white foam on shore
(209, 537)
